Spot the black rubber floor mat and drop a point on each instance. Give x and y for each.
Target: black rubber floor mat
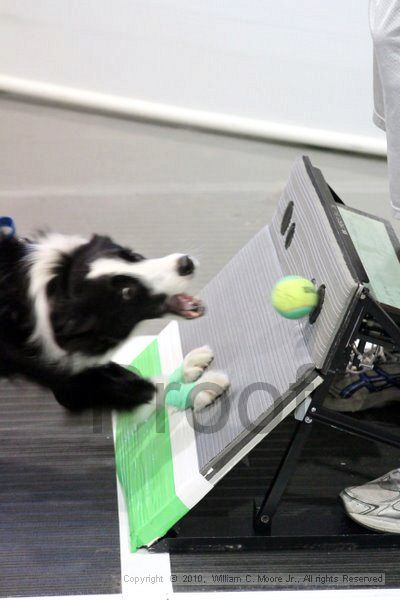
(58, 504)
(331, 461)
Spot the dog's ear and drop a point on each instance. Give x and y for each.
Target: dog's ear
(99, 244)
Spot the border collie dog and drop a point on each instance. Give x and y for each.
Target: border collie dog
(67, 303)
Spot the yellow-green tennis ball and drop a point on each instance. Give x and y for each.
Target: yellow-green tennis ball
(294, 297)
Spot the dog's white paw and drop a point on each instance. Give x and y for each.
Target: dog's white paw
(218, 382)
(195, 363)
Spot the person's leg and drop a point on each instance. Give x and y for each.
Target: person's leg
(376, 504)
(385, 31)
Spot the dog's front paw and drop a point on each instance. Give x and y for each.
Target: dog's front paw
(213, 384)
(195, 363)
(145, 391)
(130, 393)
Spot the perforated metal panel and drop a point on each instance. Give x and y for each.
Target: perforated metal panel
(315, 253)
(265, 355)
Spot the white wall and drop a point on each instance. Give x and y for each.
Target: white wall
(304, 63)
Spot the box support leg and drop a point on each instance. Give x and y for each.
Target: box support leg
(264, 514)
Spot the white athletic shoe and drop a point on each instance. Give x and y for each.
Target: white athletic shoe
(375, 504)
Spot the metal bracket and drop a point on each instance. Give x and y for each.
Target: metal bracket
(302, 409)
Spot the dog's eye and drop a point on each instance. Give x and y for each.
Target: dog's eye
(124, 285)
(126, 293)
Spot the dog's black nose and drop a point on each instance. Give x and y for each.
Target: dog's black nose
(185, 265)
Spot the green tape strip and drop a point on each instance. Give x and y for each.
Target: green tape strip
(147, 363)
(144, 465)
(177, 375)
(178, 393)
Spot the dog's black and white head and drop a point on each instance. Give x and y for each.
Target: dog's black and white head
(87, 296)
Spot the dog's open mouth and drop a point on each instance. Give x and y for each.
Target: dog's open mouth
(186, 306)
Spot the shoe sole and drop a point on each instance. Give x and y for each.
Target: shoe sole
(375, 523)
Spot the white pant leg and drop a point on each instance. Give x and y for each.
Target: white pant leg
(385, 31)
(379, 107)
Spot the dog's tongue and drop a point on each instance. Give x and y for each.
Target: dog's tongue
(186, 306)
